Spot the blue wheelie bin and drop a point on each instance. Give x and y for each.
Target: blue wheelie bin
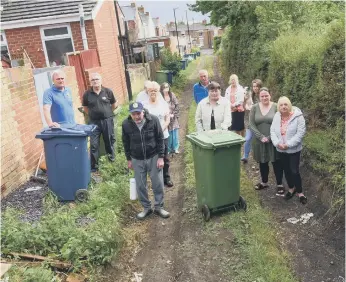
(67, 159)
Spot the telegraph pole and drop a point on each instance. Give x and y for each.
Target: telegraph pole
(188, 30)
(176, 29)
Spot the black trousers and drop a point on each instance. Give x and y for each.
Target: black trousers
(290, 164)
(166, 175)
(106, 128)
(278, 171)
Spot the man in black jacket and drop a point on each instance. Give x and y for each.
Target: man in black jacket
(144, 149)
(99, 103)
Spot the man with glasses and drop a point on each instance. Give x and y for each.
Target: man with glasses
(57, 102)
(99, 103)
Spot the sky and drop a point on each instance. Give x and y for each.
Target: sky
(164, 10)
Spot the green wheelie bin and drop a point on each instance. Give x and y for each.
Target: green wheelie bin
(216, 155)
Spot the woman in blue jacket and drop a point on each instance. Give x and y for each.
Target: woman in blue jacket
(286, 132)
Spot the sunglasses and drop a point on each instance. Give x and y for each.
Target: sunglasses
(95, 79)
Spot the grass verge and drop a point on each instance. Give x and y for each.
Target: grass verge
(257, 255)
(85, 234)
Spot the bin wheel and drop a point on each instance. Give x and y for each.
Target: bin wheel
(242, 203)
(206, 213)
(81, 195)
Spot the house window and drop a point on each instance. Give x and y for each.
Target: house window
(57, 41)
(4, 48)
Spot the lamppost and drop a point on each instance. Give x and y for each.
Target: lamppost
(176, 29)
(188, 31)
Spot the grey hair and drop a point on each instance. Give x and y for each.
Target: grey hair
(155, 85)
(203, 72)
(58, 71)
(147, 84)
(95, 74)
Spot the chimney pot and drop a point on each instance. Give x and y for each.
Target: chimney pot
(141, 9)
(133, 4)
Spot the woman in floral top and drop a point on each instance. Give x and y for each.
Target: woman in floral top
(173, 127)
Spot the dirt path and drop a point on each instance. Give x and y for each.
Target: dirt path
(318, 247)
(180, 248)
(184, 248)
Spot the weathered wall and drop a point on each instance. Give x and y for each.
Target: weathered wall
(138, 74)
(20, 121)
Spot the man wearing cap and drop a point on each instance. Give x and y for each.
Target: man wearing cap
(99, 103)
(142, 138)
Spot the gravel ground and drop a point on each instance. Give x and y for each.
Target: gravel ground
(30, 202)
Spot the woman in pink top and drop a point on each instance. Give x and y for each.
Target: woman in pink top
(235, 94)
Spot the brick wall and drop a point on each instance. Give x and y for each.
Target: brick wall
(106, 31)
(20, 121)
(30, 39)
(77, 35)
(20, 150)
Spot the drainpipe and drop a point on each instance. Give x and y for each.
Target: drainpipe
(121, 46)
(82, 27)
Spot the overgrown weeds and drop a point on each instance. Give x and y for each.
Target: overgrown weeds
(86, 234)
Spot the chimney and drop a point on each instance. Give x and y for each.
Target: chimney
(133, 5)
(204, 22)
(147, 14)
(141, 9)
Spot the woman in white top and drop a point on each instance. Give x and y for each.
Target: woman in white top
(159, 107)
(214, 111)
(235, 94)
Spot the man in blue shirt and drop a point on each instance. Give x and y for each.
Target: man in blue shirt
(200, 90)
(57, 102)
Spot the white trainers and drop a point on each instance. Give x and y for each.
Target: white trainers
(162, 213)
(144, 214)
(176, 152)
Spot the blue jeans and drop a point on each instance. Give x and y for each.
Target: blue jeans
(173, 140)
(247, 145)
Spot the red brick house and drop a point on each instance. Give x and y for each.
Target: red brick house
(46, 30)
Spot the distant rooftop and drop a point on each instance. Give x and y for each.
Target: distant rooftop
(129, 12)
(15, 10)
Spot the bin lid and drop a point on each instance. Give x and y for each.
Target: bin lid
(71, 130)
(213, 139)
(163, 71)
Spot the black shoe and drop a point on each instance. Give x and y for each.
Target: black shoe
(169, 183)
(111, 159)
(289, 195)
